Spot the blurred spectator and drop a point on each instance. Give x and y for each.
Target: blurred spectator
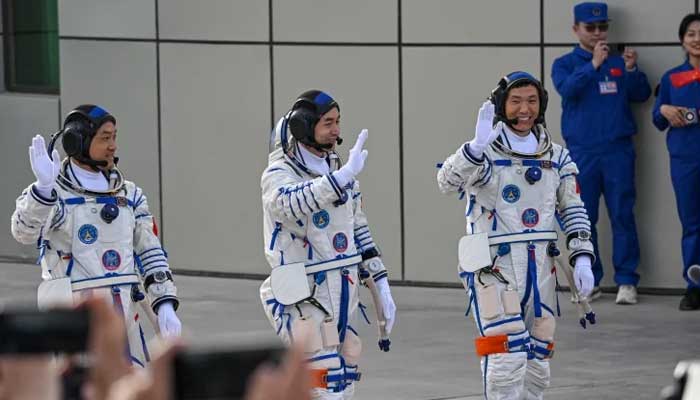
(29, 377)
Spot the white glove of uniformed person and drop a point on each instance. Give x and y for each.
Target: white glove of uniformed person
(355, 163)
(583, 275)
(45, 169)
(486, 133)
(388, 306)
(168, 322)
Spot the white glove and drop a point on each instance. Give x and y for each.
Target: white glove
(45, 169)
(486, 133)
(168, 322)
(356, 161)
(388, 306)
(583, 275)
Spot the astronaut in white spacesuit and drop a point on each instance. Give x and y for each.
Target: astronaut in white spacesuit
(93, 228)
(318, 243)
(516, 181)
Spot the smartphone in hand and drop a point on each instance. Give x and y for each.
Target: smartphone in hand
(219, 374)
(39, 332)
(616, 49)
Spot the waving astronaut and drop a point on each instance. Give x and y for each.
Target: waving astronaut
(516, 180)
(94, 230)
(319, 245)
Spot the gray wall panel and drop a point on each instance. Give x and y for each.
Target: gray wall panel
(22, 116)
(214, 20)
(632, 20)
(335, 20)
(213, 96)
(471, 21)
(215, 126)
(107, 18)
(441, 102)
(97, 73)
(365, 84)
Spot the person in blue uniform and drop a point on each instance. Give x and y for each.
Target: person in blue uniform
(597, 88)
(676, 109)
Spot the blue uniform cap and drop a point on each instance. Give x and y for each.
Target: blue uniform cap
(590, 12)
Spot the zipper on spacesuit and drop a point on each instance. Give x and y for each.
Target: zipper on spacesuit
(347, 276)
(311, 249)
(493, 215)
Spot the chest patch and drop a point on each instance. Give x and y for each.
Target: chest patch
(511, 194)
(111, 260)
(87, 234)
(340, 242)
(321, 219)
(530, 217)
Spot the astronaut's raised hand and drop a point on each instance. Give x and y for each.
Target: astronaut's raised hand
(355, 163)
(168, 322)
(45, 169)
(388, 306)
(583, 275)
(485, 132)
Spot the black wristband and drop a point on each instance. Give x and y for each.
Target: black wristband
(583, 235)
(151, 279)
(371, 253)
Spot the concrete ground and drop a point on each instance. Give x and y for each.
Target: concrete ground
(629, 354)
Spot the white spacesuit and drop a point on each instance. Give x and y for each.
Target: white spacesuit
(313, 218)
(513, 198)
(94, 240)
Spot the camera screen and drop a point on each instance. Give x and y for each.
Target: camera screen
(62, 331)
(218, 374)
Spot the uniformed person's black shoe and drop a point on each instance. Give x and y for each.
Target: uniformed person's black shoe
(691, 300)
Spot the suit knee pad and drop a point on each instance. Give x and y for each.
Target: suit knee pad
(352, 348)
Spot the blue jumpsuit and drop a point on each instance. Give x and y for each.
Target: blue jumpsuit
(683, 146)
(597, 125)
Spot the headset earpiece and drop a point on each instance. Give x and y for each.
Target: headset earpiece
(76, 137)
(302, 120)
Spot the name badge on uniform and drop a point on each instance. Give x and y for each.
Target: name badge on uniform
(607, 87)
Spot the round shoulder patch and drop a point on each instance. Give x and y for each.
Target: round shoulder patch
(87, 234)
(340, 242)
(321, 219)
(530, 217)
(510, 194)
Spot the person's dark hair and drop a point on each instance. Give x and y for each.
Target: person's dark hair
(683, 27)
